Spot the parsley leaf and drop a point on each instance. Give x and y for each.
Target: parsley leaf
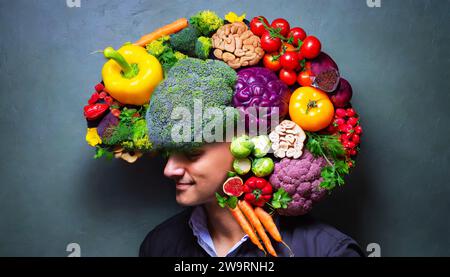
(280, 199)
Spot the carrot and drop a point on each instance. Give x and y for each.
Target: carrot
(240, 218)
(251, 216)
(169, 29)
(267, 220)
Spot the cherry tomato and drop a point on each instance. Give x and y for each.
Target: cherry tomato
(270, 44)
(311, 47)
(297, 34)
(271, 63)
(358, 130)
(339, 122)
(116, 112)
(289, 60)
(257, 27)
(356, 138)
(353, 152)
(311, 109)
(288, 76)
(345, 137)
(304, 78)
(283, 25)
(289, 47)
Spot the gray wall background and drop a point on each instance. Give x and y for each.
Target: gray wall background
(52, 192)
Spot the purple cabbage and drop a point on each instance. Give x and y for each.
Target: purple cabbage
(259, 87)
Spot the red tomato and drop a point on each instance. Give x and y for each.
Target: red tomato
(288, 76)
(270, 62)
(311, 47)
(304, 78)
(257, 27)
(281, 24)
(288, 47)
(289, 60)
(270, 44)
(297, 34)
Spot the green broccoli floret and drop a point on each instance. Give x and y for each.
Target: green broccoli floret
(206, 22)
(210, 81)
(159, 46)
(180, 56)
(184, 41)
(203, 47)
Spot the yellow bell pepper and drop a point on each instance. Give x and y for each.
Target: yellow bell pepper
(92, 137)
(131, 74)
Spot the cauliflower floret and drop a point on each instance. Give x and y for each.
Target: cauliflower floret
(301, 179)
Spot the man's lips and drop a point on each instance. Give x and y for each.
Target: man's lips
(184, 186)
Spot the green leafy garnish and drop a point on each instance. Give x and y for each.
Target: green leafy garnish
(224, 201)
(103, 152)
(280, 199)
(333, 175)
(328, 145)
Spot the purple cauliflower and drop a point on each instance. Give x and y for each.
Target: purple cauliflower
(259, 87)
(301, 179)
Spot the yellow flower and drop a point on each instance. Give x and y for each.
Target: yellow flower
(92, 137)
(232, 17)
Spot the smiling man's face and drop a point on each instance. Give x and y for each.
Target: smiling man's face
(200, 174)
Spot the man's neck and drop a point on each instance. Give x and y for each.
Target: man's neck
(224, 230)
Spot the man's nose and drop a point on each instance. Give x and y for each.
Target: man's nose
(174, 168)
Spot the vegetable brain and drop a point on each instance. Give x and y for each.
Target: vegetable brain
(259, 87)
(301, 180)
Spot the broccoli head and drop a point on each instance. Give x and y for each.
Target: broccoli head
(209, 81)
(206, 22)
(184, 41)
(301, 179)
(203, 47)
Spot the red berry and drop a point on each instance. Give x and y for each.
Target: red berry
(351, 112)
(356, 138)
(339, 122)
(342, 128)
(352, 121)
(103, 95)
(109, 100)
(341, 113)
(350, 164)
(116, 112)
(351, 144)
(99, 87)
(345, 137)
(94, 98)
(347, 128)
(358, 130)
(353, 152)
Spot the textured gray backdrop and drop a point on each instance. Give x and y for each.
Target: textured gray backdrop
(52, 193)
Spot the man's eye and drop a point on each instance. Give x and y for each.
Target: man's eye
(193, 156)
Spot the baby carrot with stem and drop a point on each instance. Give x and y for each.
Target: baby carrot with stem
(267, 220)
(169, 29)
(240, 218)
(251, 216)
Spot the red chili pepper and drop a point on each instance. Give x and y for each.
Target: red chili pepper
(92, 112)
(257, 191)
(94, 98)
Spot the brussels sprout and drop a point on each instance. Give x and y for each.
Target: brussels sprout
(241, 147)
(262, 167)
(242, 166)
(262, 146)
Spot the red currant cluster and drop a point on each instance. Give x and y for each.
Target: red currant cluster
(346, 125)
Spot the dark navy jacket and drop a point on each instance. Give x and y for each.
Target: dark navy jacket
(306, 237)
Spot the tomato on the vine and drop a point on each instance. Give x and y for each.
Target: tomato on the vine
(288, 76)
(281, 24)
(289, 60)
(272, 61)
(257, 27)
(288, 47)
(269, 43)
(297, 34)
(311, 47)
(305, 79)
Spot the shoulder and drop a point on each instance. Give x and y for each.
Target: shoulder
(167, 234)
(312, 238)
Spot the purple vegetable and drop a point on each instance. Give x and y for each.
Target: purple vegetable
(259, 87)
(325, 72)
(301, 179)
(108, 121)
(343, 94)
